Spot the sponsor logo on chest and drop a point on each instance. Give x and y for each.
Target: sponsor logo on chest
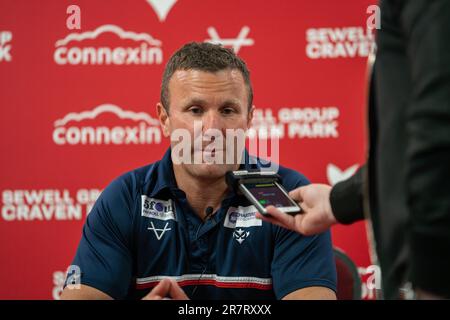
(242, 217)
(157, 209)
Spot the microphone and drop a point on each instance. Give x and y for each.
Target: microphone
(209, 211)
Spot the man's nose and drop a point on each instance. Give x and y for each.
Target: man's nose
(212, 120)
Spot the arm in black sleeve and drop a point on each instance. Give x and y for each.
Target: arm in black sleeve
(426, 25)
(346, 199)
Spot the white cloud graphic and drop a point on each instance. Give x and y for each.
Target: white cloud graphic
(105, 108)
(335, 175)
(108, 28)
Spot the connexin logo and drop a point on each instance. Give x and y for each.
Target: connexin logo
(146, 51)
(67, 132)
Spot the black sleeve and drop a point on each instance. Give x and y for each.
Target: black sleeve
(346, 198)
(426, 25)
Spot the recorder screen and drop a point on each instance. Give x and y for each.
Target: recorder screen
(269, 194)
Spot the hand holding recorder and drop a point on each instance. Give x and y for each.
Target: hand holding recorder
(316, 216)
(262, 189)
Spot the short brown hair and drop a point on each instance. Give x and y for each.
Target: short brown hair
(203, 56)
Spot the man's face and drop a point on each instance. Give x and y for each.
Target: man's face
(215, 102)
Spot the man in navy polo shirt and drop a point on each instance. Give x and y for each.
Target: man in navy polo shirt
(178, 219)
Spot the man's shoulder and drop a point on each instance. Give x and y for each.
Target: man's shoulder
(136, 180)
(292, 178)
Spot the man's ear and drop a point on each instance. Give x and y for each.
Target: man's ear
(250, 117)
(164, 119)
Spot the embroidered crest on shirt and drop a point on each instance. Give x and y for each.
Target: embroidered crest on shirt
(159, 232)
(240, 235)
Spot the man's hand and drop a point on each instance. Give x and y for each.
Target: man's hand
(317, 216)
(167, 288)
(426, 295)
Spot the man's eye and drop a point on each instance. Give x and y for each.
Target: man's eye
(195, 110)
(228, 110)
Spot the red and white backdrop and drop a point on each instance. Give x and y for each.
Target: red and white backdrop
(78, 107)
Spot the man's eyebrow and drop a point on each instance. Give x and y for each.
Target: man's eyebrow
(195, 101)
(235, 103)
(201, 102)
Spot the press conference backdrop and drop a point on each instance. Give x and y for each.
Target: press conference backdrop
(78, 107)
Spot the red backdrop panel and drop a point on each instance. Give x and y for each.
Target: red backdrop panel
(78, 107)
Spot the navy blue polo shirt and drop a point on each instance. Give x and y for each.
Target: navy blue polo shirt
(142, 229)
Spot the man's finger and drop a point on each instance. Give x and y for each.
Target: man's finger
(176, 293)
(270, 220)
(297, 194)
(300, 226)
(280, 216)
(160, 291)
(163, 287)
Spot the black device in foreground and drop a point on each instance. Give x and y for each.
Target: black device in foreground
(262, 188)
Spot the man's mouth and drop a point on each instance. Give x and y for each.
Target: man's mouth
(209, 151)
